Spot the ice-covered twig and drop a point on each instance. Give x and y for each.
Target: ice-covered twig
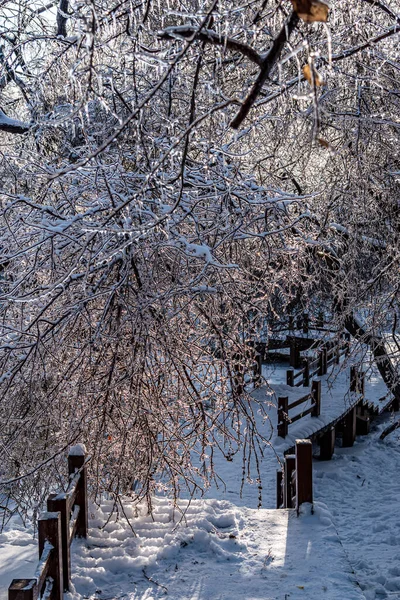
(207, 35)
(12, 125)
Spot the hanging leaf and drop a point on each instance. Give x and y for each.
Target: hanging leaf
(311, 10)
(312, 75)
(323, 143)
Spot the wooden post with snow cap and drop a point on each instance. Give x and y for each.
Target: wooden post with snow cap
(304, 490)
(58, 503)
(49, 534)
(76, 465)
(48, 579)
(22, 589)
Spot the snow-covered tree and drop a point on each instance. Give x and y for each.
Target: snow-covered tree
(172, 175)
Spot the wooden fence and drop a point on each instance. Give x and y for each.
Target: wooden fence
(66, 518)
(328, 353)
(294, 483)
(284, 407)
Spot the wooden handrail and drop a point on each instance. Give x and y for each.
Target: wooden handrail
(284, 407)
(66, 518)
(299, 401)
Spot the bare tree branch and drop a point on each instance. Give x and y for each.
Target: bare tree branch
(62, 17)
(12, 125)
(188, 32)
(267, 64)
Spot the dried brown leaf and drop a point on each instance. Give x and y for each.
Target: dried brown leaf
(312, 73)
(323, 143)
(311, 10)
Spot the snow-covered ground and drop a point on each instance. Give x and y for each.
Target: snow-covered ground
(223, 547)
(218, 551)
(361, 486)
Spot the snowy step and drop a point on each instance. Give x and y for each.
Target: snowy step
(221, 551)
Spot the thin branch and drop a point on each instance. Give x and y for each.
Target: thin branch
(188, 32)
(382, 7)
(62, 16)
(12, 125)
(267, 64)
(351, 51)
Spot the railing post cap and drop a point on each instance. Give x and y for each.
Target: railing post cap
(23, 584)
(303, 442)
(77, 450)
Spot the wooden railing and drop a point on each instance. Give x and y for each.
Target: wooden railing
(66, 518)
(328, 354)
(294, 483)
(284, 407)
(305, 322)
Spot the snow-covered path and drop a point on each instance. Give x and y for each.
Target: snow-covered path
(361, 487)
(220, 552)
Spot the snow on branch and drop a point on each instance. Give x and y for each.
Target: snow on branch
(12, 125)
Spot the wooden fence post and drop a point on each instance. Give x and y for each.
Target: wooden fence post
(327, 444)
(290, 377)
(294, 354)
(316, 397)
(58, 503)
(347, 343)
(320, 363)
(283, 416)
(49, 530)
(353, 378)
(320, 319)
(362, 421)
(306, 372)
(306, 323)
(395, 405)
(290, 466)
(337, 352)
(349, 428)
(257, 370)
(76, 462)
(361, 383)
(279, 492)
(304, 490)
(22, 589)
(291, 322)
